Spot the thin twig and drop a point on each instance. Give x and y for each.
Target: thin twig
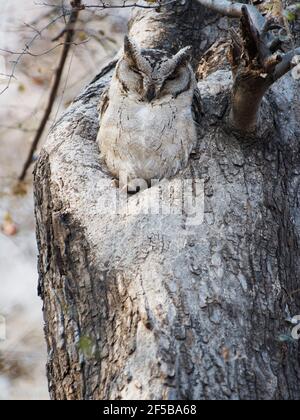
(70, 31)
(25, 51)
(31, 54)
(17, 128)
(124, 5)
(286, 65)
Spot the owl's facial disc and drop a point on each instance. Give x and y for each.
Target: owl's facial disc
(151, 74)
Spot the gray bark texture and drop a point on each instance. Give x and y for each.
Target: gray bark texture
(141, 306)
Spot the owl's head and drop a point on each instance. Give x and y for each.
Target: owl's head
(151, 74)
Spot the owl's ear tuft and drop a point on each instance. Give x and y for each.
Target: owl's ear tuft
(131, 51)
(183, 57)
(134, 57)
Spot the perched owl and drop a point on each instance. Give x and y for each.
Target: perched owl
(147, 130)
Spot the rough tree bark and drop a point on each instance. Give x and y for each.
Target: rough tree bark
(144, 306)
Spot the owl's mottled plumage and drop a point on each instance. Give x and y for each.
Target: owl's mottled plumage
(147, 129)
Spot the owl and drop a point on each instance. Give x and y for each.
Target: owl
(147, 130)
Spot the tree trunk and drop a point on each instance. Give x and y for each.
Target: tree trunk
(150, 306)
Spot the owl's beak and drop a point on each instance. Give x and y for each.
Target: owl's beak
(150, 93)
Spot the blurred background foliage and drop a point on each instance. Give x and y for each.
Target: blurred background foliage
(99, 34)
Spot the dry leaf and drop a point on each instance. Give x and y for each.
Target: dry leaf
(38, 80)
(9, 227)
(20, 189)
(21, 88)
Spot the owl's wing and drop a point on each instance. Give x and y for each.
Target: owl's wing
(197, 106)
(103, 102)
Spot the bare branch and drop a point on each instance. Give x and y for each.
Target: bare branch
(155, 5)
(70, 31)
(257, 62)
(223, 7)
(233, 10)
(126, 4)
(286, 64)
(30, 26)
(25, 51)
(46, 15)
(31, 54)
(60, 35)
(17, 128)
